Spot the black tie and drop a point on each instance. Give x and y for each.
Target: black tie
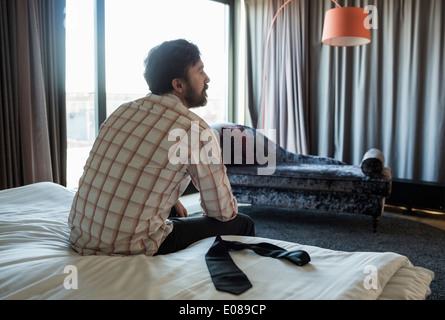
(226, 275)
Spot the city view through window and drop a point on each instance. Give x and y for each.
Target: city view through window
(132, 28)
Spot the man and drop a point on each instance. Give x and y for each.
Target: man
(130, 186)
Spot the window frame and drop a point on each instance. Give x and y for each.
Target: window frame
(100, 63)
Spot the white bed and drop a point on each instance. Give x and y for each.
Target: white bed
(36, 262)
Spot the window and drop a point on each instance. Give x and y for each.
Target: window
(132, 28)
(80, 96)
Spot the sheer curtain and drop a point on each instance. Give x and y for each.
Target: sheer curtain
(389, 94)
(32, 92)
(286, 94)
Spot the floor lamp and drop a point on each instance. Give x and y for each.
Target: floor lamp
(343, 27)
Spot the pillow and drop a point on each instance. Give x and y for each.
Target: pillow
(373, 162)
(241, 143)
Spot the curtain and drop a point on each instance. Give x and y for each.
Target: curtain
(32, 92)
(388, 94)
(282, 104)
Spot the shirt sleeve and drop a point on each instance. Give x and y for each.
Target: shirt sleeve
(209, 175)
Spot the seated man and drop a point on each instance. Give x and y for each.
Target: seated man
(130, 185)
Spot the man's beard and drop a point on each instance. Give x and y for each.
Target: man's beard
(196, 100)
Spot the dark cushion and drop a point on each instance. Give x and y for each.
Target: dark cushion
(241, 142)
(332, 178)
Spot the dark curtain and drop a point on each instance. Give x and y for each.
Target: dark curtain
(32, 92)
(389, 94)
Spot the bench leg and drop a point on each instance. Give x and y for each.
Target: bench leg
(375, 220)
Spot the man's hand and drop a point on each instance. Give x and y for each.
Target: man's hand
(181, 211)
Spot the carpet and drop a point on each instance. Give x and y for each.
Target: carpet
(424, 245)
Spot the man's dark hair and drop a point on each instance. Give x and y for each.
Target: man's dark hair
(168, 61)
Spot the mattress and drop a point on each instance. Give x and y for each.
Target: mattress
(37, 262)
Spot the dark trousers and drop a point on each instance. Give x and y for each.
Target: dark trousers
(189, 230)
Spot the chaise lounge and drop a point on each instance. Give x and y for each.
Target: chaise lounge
(299, 181)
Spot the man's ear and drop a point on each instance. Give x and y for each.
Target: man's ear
(177, 85)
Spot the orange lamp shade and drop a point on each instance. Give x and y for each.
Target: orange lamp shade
(345, 27)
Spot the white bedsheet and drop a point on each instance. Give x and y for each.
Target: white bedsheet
(34, 252)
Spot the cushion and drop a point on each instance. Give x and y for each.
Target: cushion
(241, 142)
(331, 178)
(373, 163)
